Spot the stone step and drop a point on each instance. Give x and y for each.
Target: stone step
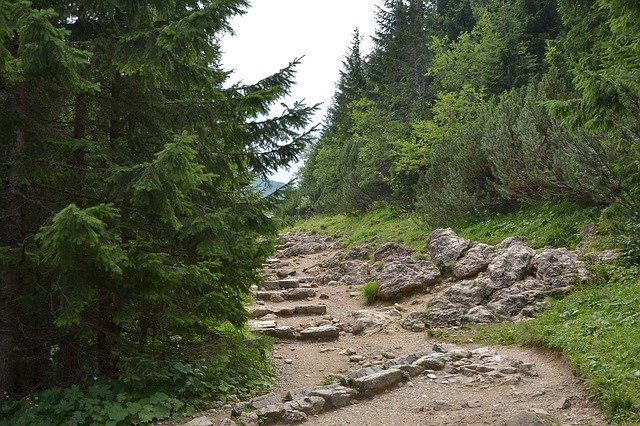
(289, 310)
(282, 284)
(282, 295)
(271, 328)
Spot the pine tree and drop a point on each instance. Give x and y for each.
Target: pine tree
(128, 216)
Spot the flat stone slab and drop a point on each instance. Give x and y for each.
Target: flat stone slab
(377, 382)
(335, 396)
(282, 284)
(325, 332)
(289, 310)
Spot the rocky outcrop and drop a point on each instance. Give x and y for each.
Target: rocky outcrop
(405, 275)
(474, 261)
(446, 247)
(391, 251)
(508, 281)
(345, 272)
(559, 268)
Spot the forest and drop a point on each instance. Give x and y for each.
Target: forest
(130, 232)
(467, 107)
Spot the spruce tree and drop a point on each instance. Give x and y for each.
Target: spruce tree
(128, 218)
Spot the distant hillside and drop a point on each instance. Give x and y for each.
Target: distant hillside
(267, 187)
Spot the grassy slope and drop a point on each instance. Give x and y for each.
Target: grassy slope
(596, 328)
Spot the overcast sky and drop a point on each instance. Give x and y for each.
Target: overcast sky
(274, 32)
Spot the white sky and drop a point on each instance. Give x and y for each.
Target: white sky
(274, 32)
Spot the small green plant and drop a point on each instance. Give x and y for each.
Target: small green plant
(328, 380)
(370, 291)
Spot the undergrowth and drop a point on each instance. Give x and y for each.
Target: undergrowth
(234, 365)
(386, 224)
(557, 224)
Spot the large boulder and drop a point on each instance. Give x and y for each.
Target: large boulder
(467, 293)
(559, 268)
(445, 246)
(474, 261)
(391, 251)
(370, 321)
(510, 301)
(404, 276)
(377, 382)
(511, 264)
(346, 272)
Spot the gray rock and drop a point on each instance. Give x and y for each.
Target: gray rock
(308, 405)
(270, 413)
(414, 321)
(559, 268)
(325, 332)
(265, 400)
(292, 417)
(306, 244)
(481, 315)
(411, 369)
(249, 419)
(370, 321)
(359, 253)
(510, 301)
(444, 314)
(429, 363)
(391, 251)
(283, 273)
(404, 276)
(510, 265)
(310, 310)
(259, 326)
(271, 295)
(445, 246)
(377, 382)
(281, 332)
(334, 396)
(562, 404)
(346, 272)
(467, 293)
(474, 261)
(200, 421)
(299, 293)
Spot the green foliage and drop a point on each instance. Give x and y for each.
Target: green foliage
(370, 291)
(456, 182)
(375, 227)
(555, 224)
(239, 367)
(127, 213)
(595, 329)
(493, 55)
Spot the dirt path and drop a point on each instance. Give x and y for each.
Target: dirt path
(454, 401)
(473, 386)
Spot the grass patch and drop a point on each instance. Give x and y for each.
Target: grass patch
(387, 224)
(596, 329)
(547, 224)
(369, 291)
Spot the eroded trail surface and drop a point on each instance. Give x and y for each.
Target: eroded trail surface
(342, 362)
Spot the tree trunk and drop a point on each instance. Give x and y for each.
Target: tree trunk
(12, 237)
